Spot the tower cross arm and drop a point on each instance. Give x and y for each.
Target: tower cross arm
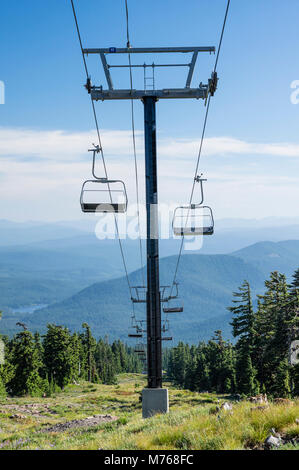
(148, 50)
(98, 94)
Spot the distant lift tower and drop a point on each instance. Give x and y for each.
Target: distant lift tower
(154, 398)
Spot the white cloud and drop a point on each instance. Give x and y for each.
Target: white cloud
(218, 146)
(46, 185)
(70, 145)
(59, 145)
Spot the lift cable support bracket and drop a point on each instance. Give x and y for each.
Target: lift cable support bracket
(202, 92)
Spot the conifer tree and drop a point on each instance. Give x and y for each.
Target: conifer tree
(105, 362)
(25, 359)
(243, 317)
(58, 353)
(272, 339)
(295, 282)
(221, 362)
(90, 346)
(2, 388)
(245, 374)
(191, 370)
(76, 347)
(281, 380)
(201, 377)
(180, 364)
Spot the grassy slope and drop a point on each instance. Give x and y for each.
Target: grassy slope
(191, 424)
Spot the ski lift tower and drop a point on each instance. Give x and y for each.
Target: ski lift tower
(154, 398)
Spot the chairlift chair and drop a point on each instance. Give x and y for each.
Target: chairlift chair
(135, 335)
(103, 194)
(139, 296)
(165, 326)
(194, 219)
(174, 306)
(140, 349)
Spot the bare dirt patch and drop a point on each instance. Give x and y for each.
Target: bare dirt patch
(81, 423)
(36, 410)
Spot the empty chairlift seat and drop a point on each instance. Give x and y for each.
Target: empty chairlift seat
(140, 349)
(102, 195)
(173, 306)
(193, 220)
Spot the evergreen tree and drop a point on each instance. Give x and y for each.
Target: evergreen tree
(281, 381)
(295, 282)
(219, 354)
(201, 376)
(180, 364)
(77, 348)
(272, 330)
(58, 353)
(2, 388)
(90, 346)
(40, 354)
(105, 362)
(245, 374)
(191, 370)
(25, 359)
(243, 320)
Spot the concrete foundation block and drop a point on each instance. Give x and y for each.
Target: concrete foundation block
(154, 400)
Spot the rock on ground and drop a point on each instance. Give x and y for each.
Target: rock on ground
(273, 441)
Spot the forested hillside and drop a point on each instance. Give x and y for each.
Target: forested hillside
(40, 366)
(261, 361)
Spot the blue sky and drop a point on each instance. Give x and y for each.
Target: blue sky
(252, 155)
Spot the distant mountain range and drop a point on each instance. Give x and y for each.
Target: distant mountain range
(81, 278)
(206, 286)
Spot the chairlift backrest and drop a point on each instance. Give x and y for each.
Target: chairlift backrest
(103, 194)
(138, 294)
(193, 220)
(174, 306)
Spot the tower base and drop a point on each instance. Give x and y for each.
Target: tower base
(154, 400)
